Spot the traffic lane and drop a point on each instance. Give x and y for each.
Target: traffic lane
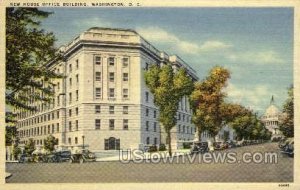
(149, 172)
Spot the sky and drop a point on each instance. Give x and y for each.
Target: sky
(255, 44)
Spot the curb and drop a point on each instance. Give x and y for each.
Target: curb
(7, 175)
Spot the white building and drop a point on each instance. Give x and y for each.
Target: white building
(272, 118)
(103, 102)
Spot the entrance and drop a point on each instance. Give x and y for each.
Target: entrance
(112, 143)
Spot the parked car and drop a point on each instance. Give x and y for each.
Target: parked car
(219, 145)
(83, 156)
(288, 147)
(231, 143)
(282, 143)
(199, 147)
(24, 158)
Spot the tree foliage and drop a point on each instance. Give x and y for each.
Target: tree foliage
(29, 147)
(50, 142)
(207, 101)
(28, 49)
(287, 123)
(168, 88)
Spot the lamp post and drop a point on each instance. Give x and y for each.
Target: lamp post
(82, 141)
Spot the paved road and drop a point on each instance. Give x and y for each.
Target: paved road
(148, 172)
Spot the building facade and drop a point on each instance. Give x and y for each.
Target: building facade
(272, 118)
(103, 103)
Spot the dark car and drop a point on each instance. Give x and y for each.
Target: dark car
(199, 147)
(58, 156)
(83, 156)
(25, 158)
(288, 148)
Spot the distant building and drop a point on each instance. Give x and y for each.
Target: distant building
(272, 118)
(103, 102)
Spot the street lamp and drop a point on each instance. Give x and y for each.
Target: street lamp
(82, 141)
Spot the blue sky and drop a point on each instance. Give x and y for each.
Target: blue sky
(255, 44)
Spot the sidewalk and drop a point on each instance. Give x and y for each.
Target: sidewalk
(145, 156)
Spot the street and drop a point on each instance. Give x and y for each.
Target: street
(115, 171)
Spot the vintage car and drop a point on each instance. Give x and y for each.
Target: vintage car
(82, 156)
(199, 147)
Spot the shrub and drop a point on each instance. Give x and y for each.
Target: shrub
(152, 148)
(186, 145)
(162, 147)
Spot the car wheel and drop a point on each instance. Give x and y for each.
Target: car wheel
(70, 161)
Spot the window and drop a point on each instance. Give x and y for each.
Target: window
(98, 76)
(179, 116)
(98, 93)
(77, 95)
(77, 63)
(76, 125)
(148, 140)
(154, 114)
(70, 68)
(52, 128)
(111, 109)
(111, 77)
(111, 124)
(57, 127)
(58, 86)
(125, 61)
(147, 125)
(48, 129)
(125, 77)
(76, 111)
(125, 124)
(69, 140)
(97, 60)
(111, 93)
(146, 66)
(70, 112)
(70, 82)
(51, 114)
(58, 101)
(77, 79)
(147, 96)
(183, 117)
(183, 129)
(125, 109)
(125, 93)
(70, 97)
(97, 124)
(154, 126)
(76, 140)
(147, 112)
(97, 109)
(155, 140)
(179, 129)
(111, 61)
(70, 125)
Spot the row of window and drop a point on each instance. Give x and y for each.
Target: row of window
(42, 130)
(111, 109)
(111, 61)
(39, 119)
(148, 142)
(38, 141)
(186, 129)
(184, 118)
(111, 93)
(111, 124)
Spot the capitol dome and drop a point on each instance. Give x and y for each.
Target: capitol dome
(272, 111)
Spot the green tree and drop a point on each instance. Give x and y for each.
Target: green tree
(50, 142)
(287, 123)
(28, 50)
(168, 88)
(207, 101)
(16, 149)
(29, 147)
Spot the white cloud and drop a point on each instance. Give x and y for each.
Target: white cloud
(156, 34)
(262, 57)
(254, 97)
(213, 45)
(90, 22)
